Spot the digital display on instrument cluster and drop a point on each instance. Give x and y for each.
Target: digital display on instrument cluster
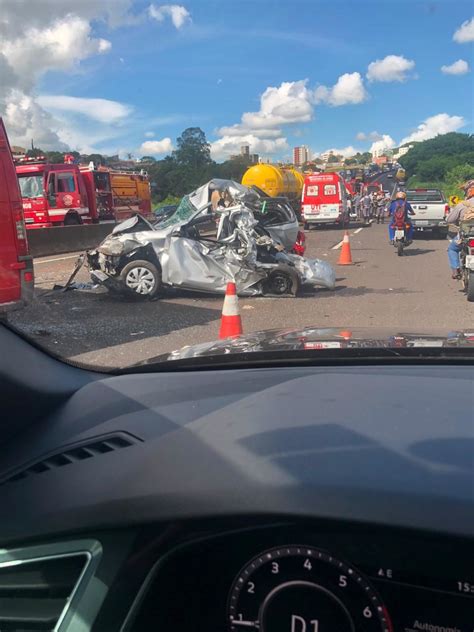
(361, 584)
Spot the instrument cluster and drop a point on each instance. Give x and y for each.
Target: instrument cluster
(292, 579)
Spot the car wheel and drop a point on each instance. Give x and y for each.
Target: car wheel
(280, 283)
(142, 278)
(470, 287)
(306, 226)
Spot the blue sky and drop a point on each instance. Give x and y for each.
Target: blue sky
(210, 62)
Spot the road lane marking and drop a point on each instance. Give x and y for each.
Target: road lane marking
(36, 262)
(337, 246)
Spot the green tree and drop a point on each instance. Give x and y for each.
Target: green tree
(232, 169)
(147, 159)
(34, 153)
(193, 149)
(55, 157)
(97, 159)
(458, 148)
(332, 158)
(457, 176)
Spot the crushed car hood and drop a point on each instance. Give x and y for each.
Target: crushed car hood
(315, 339)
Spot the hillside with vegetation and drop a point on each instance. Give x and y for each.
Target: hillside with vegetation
(443, 162)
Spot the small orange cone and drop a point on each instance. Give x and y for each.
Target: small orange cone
(346, 257)
(231, 325)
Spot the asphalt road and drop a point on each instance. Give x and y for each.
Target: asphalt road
(413, 293)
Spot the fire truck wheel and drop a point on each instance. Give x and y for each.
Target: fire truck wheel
(142, 278)
(72, 219)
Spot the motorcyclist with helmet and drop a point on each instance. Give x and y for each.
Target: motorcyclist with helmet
(463, 212)
(397, 205)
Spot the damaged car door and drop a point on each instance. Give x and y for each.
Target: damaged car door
(200, 263)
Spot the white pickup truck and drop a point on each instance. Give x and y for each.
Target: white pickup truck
(431, 210)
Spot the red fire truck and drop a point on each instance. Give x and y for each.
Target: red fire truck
(16, 264)
(70, 194)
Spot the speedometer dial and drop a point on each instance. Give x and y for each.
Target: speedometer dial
(301, 589)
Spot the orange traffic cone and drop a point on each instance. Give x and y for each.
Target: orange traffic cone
(346, 257)
(231, 325)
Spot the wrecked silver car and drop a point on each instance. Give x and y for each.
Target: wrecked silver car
(210, 240)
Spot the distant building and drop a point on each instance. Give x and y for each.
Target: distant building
(381, 160)
(245, 151)
(325, 157)
(401, 151)
(254, 158)
(300, 155)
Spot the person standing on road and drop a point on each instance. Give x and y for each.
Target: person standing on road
(458, 214)
(365, 204)
(356, 205)
(381, 207)
(400, 202)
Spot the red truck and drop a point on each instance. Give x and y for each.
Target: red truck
(70, 194)
(16, 264)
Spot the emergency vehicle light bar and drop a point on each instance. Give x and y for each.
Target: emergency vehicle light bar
(30, 160)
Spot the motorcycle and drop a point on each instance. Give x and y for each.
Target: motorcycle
(400, 240)
(466, 258)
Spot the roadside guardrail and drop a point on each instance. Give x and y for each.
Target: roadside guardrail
(64, 239)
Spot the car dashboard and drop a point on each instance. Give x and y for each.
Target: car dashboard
(297, 499)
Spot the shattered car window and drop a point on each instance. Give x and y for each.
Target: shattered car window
(184, 211)
(31, 186)
(306, 166)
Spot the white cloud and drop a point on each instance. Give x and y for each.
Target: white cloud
(33, 42)
(149, 134)
(156, 147)
(26, 120)
(241, 130)
(349, 89)
(370, 136)
(229, 145)
(62, 45)
(435, 125)
(52, 35)
(380, 146)
(178, 14)
(390, 68)
(459, 67)
(290, 102)
(345, 152)
(465, 33)
(102, 110)
(286, 104)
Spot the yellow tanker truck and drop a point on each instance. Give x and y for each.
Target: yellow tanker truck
(276, 181)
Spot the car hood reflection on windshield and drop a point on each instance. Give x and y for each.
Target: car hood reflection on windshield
(321, 339)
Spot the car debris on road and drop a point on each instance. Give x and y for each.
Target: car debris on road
(213, 237)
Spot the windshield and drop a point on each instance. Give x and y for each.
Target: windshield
(222, 176)
(31, 186)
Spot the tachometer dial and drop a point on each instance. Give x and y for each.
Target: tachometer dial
(301, 589)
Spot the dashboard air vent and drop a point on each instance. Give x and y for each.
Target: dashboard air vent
(72, 454)
(35, 594)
